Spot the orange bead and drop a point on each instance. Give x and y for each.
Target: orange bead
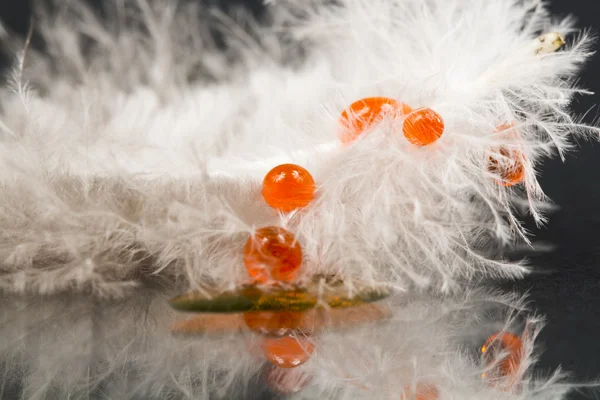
(363, 113)
(272, 254)
(288, 352)
(288, 187)
(508, 164)
(273, 323)
(495, 346)
(287, 381)
(423, 126)
(422, 392)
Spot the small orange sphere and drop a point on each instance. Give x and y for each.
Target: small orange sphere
(423, 126)
(272, 254)
(508, 164)
(288, 352)
(288, 187)
(497, 344)
(422, 392)
(273, 323)
(287, 381)
(363, 113)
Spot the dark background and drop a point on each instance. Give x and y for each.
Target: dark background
(567, 290)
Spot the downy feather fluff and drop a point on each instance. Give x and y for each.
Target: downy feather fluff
(132, 151)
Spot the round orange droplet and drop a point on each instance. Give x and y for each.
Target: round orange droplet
(288, 187)
(287, 381)
(288, 351)
(423, 126)
(422, 392)
(272, 253)
(505, 343)
(363, 113)
(273, 323)
(508, 164)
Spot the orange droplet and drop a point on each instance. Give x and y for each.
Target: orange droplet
(422, 392)
(508, 164)
(507, 128)
(288, 351)
(273, 323)
(423, 126)
(288, 187)
(272, 254)
(504, 350)
(287, 381)
(363, 113)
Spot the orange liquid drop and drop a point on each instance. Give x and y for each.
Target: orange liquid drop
(423, 392)
(288, 187)
(363, 113)
(287, 381)
(508, 164)
(272, 254)
(273, 323)
(288, 352)
(505, 342)
(423, 126)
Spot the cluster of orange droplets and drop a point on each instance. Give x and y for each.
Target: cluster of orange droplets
(424, 126)
(271, 255)
(502, 355)
(421, 127)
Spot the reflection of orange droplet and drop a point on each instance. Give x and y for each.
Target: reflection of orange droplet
(423, 126)
(505, 343)
(288, 351)
(288, 187)
(208, 324)
(422, 392)
(273, 323)
(508, 164)
(363, 113)
(272, 254)
(287, 381)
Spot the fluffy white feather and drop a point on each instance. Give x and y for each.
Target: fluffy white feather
(132, 153)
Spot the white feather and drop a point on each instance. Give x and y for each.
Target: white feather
(132, 153)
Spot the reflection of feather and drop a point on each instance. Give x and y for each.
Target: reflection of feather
(126, 349)
(131, 156)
